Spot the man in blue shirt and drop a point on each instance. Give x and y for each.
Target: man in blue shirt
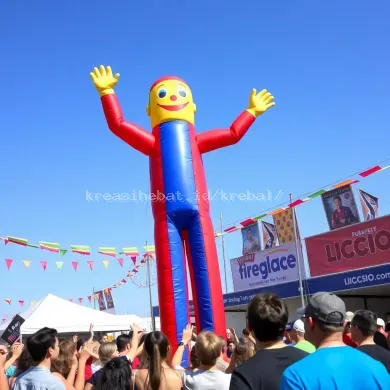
(334, 366)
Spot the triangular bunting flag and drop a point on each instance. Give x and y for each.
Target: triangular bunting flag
(44, 265)
(19, 241)
(9, 263)
(63, 252)
(75, 264)
(134, 259)
(8, 300)
(33, 302)
(71, 300)
(90, 264)
(133, 251)
(26, 263)
(134, 270)
(107, 251)
(120, 261)
(59, 264)
(149, 248)
(81, 300)
(124, 281)
(106, 262)
(21, 303)
(81, 249)
(49, 246)
(89, 299)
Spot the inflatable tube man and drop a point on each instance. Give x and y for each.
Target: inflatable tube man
(183, 227)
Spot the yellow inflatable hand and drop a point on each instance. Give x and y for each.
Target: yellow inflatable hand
(104, 80)
(260, 102)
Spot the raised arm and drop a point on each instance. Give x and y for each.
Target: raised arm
(215, 139)
(132, 134)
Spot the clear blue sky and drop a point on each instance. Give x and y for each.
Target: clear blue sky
(326, 62)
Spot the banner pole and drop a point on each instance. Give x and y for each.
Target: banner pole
(150, 289)
(299, 259)
(223, 255)
(93, 297)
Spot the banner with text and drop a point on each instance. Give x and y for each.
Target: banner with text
(340, 207)
(353, 247)
(109, 301)
(265, 268)
(250, 239)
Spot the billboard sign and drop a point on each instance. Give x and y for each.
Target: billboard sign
(359, 246)
(265, 268)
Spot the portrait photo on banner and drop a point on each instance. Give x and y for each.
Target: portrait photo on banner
(340, 207)
(251, 239)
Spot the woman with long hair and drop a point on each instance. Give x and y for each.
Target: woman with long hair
(242, 353)
(116, 374)
(66, 364)
(24, 362)
(158, 375)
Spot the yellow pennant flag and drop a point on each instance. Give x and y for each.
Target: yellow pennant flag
(106, 262)
(26, 263)
(33, 303)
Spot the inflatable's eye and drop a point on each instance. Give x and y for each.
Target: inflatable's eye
(182, 92)
(162, 93)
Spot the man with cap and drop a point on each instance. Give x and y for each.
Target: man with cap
(334, 365)
(380, 336)
(298, 337)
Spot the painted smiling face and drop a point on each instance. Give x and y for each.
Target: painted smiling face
(170, 99)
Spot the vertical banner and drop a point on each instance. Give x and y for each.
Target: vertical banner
(285, 227)
(250, 239)
(369, 205)
(109, 301)
(269, 235)
(102, 303)
(340, 207)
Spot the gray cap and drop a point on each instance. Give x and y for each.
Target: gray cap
(325, 307)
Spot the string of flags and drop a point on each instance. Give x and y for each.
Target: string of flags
(130, 274)
(79, 249)
(353, 180)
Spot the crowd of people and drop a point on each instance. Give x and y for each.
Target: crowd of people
(326, 348)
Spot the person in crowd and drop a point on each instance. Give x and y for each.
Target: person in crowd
(104, 338)
(230, 350)
(43, 347)
(158, 375)
(387, 321)
(380, 336)
(135, 347)
(185, 341)
(334, 365)
(208, 349)
(347, 339)
(95, 366)
(12, 357)
(267, 320)
(140, 360)
(123, 344)
(297, 335)
(116, 374)
(66, 364)
(3, 377)
(24, 362)
(107, 351)
(287, 335)
(242, 352)
(363, 328)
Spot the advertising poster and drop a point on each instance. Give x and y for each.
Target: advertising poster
(266, 268)
(251, 239)
(285, 227)
(353, 247)
(109, 301)
(269, 235)
(369, 205)
(340, 207)
(101, 301)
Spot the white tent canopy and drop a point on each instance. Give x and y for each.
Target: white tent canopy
(68, 317)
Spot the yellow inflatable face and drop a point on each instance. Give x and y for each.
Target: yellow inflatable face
(170, 99)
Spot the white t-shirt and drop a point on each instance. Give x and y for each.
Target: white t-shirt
(206, 380)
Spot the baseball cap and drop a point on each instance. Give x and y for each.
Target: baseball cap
(325, 307)
(349, 315)
(288, 326)
(299, 326)
(380, 322)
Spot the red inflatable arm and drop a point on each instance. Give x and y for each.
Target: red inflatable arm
(133, 135)
(215, 139)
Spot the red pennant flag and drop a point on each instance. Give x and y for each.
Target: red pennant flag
(4, 319)
(9, 263)
(123, 281)
(8, 300)
(44, 265)
(134, 270)
(129, 275)
(89, 298)
(120, 261)
(90, 264)
(143, 261)
(75, 264)
(5, 241)
(21, 303)
(134, 259)
(80, 300)
(71, 300)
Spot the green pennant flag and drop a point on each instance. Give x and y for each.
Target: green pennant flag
(63, 252)
(318, 193)
(59, 264)
(260, 216)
